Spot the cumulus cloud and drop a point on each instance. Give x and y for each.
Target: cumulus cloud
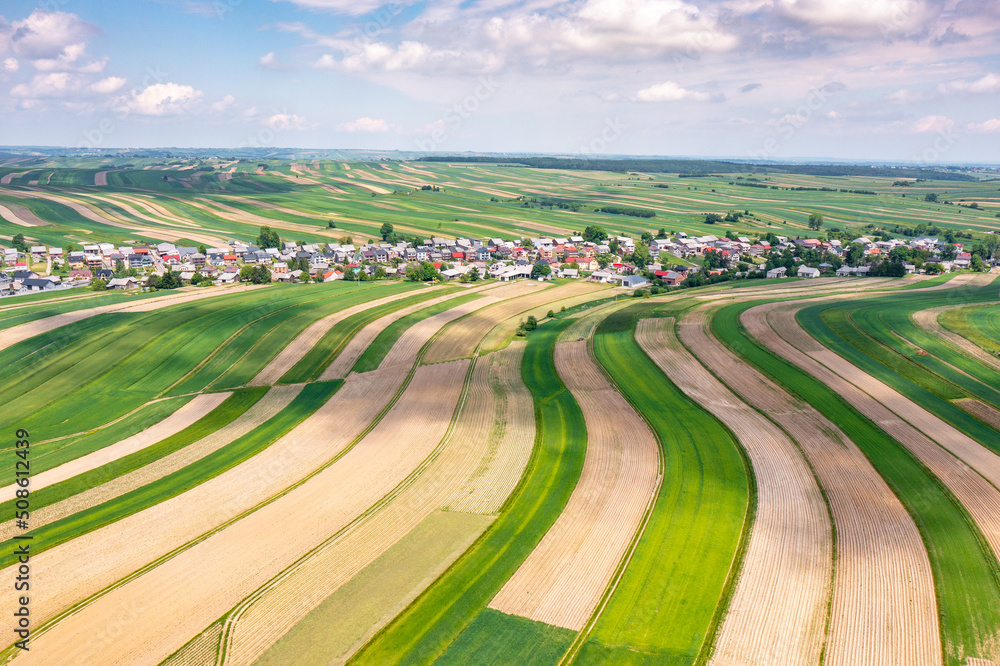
(49, 86)
(108, 85)
(854, 18)
(991, 126)
(286, 121)
(46, 35)
(365, 124)
(670, 91)
(987, 84)
(10, 65)
(160, 99)
(223, 104)
(933, 124)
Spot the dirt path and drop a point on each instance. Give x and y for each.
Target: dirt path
(564, 578)
(778, 612)
(884, 608)
(960, 463)
(101, 178)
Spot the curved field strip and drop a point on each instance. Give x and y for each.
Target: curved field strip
(464, 453)
(22, 218)
(778, 611)
(930, 320)
(454, 606)
(679, 580)
(977, 495)
(185, 416)
(462, 338)
(187, 592)
(502, 333)
(508, 444)
(964, 567)
(21, 332)
(884, 609)
(368, 348)
(94, 494)
(980, 455)
(96, 560)
(565, 577)
(300, 346)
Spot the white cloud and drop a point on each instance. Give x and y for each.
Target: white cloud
(854, 18)
(933, 124)
(160, 99)
(286, 121)
(10, 65)
(46, 35)
(223, 104)
(350, 7)
(991, 126)
(108, 85)
(670, 91)
(364, 125)
(903, 96)
(988, 84)
(67, 61)
(55, 84)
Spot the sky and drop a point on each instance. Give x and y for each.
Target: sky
(886, 80)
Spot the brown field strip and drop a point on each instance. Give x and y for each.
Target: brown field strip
(467, 454)
(14, 334)
(981, 411)
(176, 600)
(22, 218)
(945, 458)
(778, 612)
(462, 338)
(506, 329)
(928, 320)
(295, 350)
(276, 399)
(80, 568)
(884, 609)
(564, 578)
(346, 359)
(198, 407)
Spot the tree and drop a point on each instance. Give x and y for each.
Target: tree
(713, 218)
(379, 273)
(119, 268)
(930, 196)
(260, 274)
(540, 270)
(662, 233)
(386, 230)
(268, 238)
(203, 249)
(977, 264)
(19, 243)
(413, 273)
(98, 285)
(949, 252)
(595, 234)
(473, 274)
(815, 221)
(647, 237)
(246, 272)
(531, 324)
(169, 280)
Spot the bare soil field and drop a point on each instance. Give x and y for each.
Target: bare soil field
(884, 609)
(22, 217)
(174, 601)
(564, 578)
(295, 350)
(462, 338)
(778, 612)
(506, 329)
(981, 411)
(465, 451)
(972, 489)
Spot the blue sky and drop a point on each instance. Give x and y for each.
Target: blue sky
(915, 80)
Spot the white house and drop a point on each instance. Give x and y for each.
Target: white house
(807, 272)
(778, 272)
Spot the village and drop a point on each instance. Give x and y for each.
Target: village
(663, 261)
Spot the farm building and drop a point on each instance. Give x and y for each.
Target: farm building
(807, 272)
(778, 272)
(123, 283)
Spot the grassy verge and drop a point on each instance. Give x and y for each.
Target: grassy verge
(966, 575)
(83, 522)
(669, 600)
(425, 630)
